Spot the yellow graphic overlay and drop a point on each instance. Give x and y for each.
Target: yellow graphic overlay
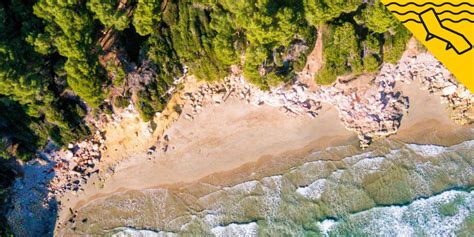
(446, 28)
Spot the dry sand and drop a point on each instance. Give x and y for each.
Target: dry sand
(230, 136)
(220, 139)
(428, 120)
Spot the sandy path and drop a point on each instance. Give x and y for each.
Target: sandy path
(314, 62)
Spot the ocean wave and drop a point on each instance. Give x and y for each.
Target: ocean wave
(314, 190)
(243, 188)
(390, 173)
(435, 150)
(370, 164)
(130, 232)
(428, 216)
(427, 150)
(242, 230)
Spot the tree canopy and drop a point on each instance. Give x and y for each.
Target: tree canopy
(63, 60)
(53, 68)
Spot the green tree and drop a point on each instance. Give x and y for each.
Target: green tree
(30, 96)
(341, 53)
(69, 28)
(395, 44)
(377, 18)
(318, 12)
(147, 15)
(110, 13)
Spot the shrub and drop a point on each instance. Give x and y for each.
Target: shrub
(121, 102)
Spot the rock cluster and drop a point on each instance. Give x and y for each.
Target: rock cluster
(293, 100)
(436, 78)
(372, 110)
(75, 165)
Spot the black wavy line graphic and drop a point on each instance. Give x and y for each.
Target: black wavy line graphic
(413, 20)
(439, 13)
(454, 13)
(462, 19)
(429, 3)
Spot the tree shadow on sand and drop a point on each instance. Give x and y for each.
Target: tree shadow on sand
(32, 212)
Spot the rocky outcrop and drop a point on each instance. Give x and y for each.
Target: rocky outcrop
(74, 166)
(436, 78)
(45, 179)
(372, 109)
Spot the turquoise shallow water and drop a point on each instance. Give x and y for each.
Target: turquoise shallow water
(391, 189)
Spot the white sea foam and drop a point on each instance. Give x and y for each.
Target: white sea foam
(336, 176)
(212, 219)
(427, 150)
(314, 190)
(326, 226)
(465, 144)
(243, 188)
(370, 164)
(128, 232)
(243, 230)
(272, 189)
(421, 216)
(356, 158)
(317, 165)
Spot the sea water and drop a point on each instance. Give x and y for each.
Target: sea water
(391, 189)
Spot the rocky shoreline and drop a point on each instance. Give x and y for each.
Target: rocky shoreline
(372, 110)
(370, 105)
(74, 166)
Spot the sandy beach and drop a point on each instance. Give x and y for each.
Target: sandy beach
(213, 118)
(223, 138)
(428, 120)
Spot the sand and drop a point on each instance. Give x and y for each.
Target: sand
(428, 121)
(220, 139)
(234, 135)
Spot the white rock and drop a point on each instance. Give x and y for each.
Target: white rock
(449, 90)
(68, 155)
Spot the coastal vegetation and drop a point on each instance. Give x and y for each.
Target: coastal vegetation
(56, 69)
(52, 69)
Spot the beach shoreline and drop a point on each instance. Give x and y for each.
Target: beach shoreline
(228, 131)
(271, 166)
(172, 168)
(221, 156)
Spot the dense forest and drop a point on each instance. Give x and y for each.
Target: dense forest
(63, 60)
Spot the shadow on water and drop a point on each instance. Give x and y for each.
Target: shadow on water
(31, 212)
